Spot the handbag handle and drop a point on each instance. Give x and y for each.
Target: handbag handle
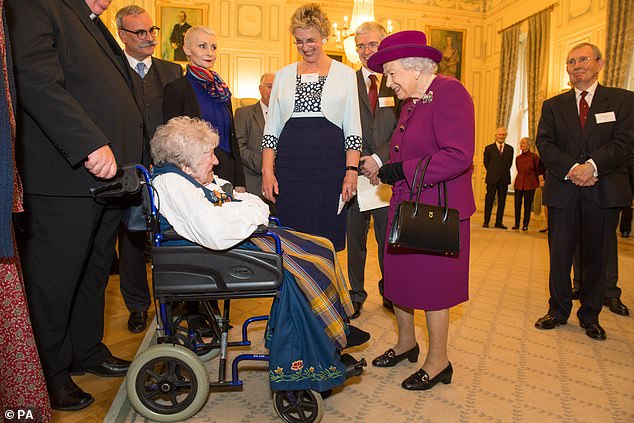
(445, 213)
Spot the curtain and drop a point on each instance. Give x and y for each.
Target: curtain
(508, 72)
(537, 66)
(620, 40)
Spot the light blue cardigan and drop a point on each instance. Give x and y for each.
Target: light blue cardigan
(339, 100)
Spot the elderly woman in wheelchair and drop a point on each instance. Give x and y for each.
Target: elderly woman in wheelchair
(308, 324)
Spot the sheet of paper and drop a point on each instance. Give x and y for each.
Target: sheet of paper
(372, 197)
(341, 204)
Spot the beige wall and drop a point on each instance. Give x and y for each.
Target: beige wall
(253, 38)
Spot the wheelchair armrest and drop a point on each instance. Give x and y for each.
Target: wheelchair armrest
(171, 235)
(263, 231)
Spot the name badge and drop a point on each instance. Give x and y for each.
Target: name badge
(386, 101)
(605, 117)
(309, 77)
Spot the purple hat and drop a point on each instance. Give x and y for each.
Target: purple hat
(402, 44)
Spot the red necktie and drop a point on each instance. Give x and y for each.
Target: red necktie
(373, 93)
(583, 109)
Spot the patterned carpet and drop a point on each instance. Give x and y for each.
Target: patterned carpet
(505, 370)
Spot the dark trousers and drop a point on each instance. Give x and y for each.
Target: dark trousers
(528, 206)
(612, 269)
(501, 189)
(358, 224)
(582, 218)
(626, 220)
(132, 272)
(66, 248)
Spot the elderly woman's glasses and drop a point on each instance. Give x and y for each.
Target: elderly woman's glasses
(142, 34)
(583, 59)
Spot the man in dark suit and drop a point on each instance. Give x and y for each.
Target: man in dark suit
(177, 37)
(249, 128)
(498, 158)
(585, 138)
(76, 121)
(379, 115)
(149, 77)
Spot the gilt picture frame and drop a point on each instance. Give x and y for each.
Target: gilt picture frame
(451, 43)
(168, 18)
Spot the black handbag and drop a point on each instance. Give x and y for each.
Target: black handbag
(425, 227)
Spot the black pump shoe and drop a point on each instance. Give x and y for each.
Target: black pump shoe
(389, 357)
(420, 380)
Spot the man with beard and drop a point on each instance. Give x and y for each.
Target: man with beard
(149, 77)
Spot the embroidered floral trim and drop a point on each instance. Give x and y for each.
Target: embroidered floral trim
(298, 373)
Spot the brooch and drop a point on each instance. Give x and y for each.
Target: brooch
(427, 97)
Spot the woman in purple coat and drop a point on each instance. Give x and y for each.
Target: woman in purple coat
(437, 121)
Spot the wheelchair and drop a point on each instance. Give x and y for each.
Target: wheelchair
(169, 382)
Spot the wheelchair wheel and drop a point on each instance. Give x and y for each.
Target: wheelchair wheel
(305, 406)
(204, 335)
(167, 383)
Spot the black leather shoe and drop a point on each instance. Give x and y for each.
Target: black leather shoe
(625, 234)
(548, 322)
(137, 321)
(575, 294)
(389, 357)
(594, 331)
(111, 367)
(485, 225)
(357, 310)
(500, 226)
(616, 306)
(70, 397)
(420, 380)
(515, 227)
(524, 228)
(543, 231)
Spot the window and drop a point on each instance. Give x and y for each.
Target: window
(518, 120)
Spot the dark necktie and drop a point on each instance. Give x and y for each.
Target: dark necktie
(373, 93)
(501, 150)
(583, 109)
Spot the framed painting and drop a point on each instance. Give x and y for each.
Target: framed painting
(175, 19)
(451, 43)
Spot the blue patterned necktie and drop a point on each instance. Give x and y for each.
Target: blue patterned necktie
(140, 69)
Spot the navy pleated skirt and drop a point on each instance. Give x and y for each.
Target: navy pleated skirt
(310, 167)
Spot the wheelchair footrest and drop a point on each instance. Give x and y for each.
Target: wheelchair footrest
(354, 367)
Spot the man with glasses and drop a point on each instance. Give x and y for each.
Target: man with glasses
(585, 138)
(149, 77)
(378, 108)
(77, 120)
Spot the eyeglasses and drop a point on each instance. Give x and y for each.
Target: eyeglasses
(371, 46)
(142, 34)
(582, 59)
(311, 42)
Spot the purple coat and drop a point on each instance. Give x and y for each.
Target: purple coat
(444, 129)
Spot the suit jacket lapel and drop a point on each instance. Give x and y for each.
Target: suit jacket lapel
(83, 13)
(363, 91)
(571, 114)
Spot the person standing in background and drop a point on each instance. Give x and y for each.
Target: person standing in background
(250, 122)
(498, 159)
(177, 37)
(202, 93)
(149, 77)
(378, 108)
(77, 120)
(526, 182)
